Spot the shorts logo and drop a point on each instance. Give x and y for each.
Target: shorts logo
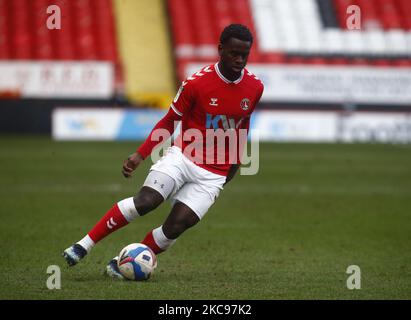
(245, 104)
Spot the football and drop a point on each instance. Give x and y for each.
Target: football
(137, 262)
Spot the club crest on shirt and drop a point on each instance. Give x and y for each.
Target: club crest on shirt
(245, 104)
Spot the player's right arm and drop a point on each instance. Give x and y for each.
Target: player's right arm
(134, 160)
(131, 163)
(181, 104)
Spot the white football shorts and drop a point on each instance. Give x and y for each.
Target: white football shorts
(190, 184)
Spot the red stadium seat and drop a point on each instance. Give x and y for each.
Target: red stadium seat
(182, 31)
(381, 63)
(42, 41)
(201, 17)
(196, 25)
(317, 61)
(222, 13)
(276, 58)
(105, 38)
(4, 30)
(84, 30)
(87, 32)
(338, 61)
(21, 40)
(402, 63)
(64, 39)
(296, 60)
(243, 15)
(359, 61)
(404, 7)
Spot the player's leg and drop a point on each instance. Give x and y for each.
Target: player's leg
(160, 239)
(192, 202)
(199, 190)
(156, 189)
(179, 220)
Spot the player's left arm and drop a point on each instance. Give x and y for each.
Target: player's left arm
(231, 173)
(234, 167)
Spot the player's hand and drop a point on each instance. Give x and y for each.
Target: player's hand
(131, 163)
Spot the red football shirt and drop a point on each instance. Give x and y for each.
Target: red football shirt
(209, 105)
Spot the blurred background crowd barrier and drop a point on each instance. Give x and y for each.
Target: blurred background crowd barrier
(112, 67)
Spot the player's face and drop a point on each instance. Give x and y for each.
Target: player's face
(234, 54)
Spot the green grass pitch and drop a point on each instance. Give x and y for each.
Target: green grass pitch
(289, 232)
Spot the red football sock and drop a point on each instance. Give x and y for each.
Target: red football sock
(149, 242)
(112, 221)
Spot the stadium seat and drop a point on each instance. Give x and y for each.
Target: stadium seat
(374, 42)
(402, 63)
(20, 40)
(86, 42)
(42, 41)
(4, 30)
(332, 41)
(182, 32)
(64, 39)
(396, 42)
(243, 15)
(295, 32)
(281, 28)
(354, 43)
(404, 7)
(87, 33)
(105, 31)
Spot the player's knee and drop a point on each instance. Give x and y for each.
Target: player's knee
(176, 228)
(145, 202)
(174, 231)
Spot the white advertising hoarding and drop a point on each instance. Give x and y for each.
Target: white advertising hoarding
(86, 124)
(330, 84)
(375, 126)
(89, 80)
(281, 126)
(103, 123)
(333, 126)
(296, 126)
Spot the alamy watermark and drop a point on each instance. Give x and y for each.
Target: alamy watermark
(213, 146)
(54, 280)
(354, 280)
(54, 20)
(353, 21)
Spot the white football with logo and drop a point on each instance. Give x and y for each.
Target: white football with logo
(137, 262)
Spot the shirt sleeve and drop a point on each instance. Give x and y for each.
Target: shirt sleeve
(184, 98)
(167, 123)
(260, 93)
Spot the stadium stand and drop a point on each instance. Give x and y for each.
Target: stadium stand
(130, 32)
(146, 53)
(88, 33)
(123, 32)
(296, 32)
(136, 52)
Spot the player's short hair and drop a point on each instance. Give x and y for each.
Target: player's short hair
(238, 31)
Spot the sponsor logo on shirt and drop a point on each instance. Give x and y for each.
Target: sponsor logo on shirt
(221, 121)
